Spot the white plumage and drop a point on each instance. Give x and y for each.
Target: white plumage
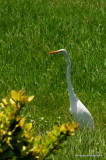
(80, 113)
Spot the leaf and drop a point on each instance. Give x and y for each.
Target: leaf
(28, 126)
(21, 92)
(5, 101)
(14, 95)
(3, 117)
(12, 101)
(74, 125)
(56, 131)
(30, 98)
(50, 139)
(2, 105)
(22, 122)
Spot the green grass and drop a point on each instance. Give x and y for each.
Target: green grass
(29, 29)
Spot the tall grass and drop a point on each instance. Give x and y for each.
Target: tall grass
(29, 29)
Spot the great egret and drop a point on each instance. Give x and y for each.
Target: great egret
(80, 113)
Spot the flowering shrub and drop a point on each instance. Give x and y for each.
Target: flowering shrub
(17, 137)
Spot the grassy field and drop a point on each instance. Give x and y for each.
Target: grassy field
(29, 29)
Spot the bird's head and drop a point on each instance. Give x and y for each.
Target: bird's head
(60, 51)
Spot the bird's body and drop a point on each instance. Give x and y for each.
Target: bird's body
(80, 113)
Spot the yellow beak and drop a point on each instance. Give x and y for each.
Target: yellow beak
(53, 52)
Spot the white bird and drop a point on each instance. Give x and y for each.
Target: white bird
(80, 113)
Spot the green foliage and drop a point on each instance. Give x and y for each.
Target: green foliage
(17, 137)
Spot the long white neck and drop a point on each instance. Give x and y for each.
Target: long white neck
(72, 96)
